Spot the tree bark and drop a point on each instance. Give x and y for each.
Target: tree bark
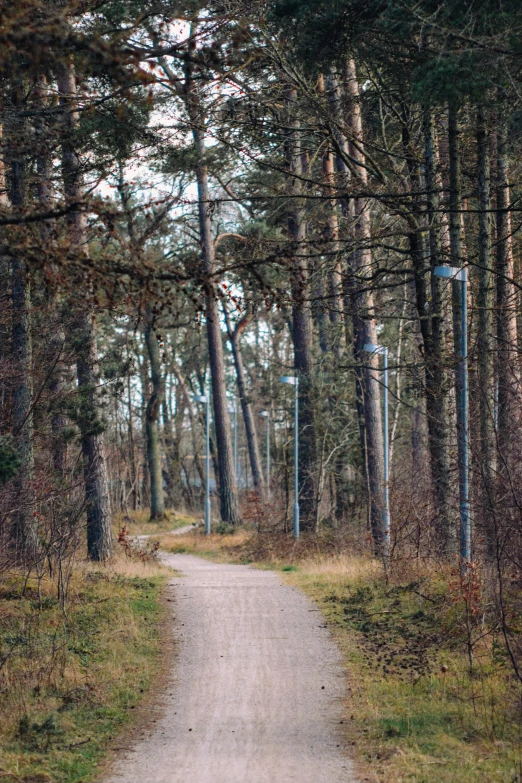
(485, 319)
(24, 528)
(246, 407)
(134, 469)
(56, 332)
(456, 260)
(332, 248)
(507, 353)
(436, 392)
(363, 317)
(229, 508)
(301, 323)
(152, 412)
(83, 335)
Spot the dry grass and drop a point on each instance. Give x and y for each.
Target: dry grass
(221, 548)
(414, 712)
(70, 679)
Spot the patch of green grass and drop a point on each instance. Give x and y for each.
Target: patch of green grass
(289, 568)
(74, 681)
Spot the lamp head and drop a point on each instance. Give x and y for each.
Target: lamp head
(373, 348)
(290, 379)
(201, 398)
(451, 272)
(264, 414)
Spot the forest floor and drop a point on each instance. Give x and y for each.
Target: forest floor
(415, 711)
(73, 673)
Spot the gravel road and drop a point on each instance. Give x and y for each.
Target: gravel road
(256, 690)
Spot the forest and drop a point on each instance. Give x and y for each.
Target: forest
(199, 200)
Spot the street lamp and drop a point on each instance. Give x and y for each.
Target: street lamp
(293, 381)
(233, 410)
(460, 274)
(266, 415)
(381, 349)
(204, 399)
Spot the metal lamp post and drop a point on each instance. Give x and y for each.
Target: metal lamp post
(233, 410)
(205, 399)
(293, 381)
(460, 274)
(266, 415)
(383, 351)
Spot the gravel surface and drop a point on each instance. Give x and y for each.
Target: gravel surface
(257, 687)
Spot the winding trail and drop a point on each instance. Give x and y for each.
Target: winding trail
(256, 690)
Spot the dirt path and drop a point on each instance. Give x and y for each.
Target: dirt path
(180, 531)
(256, 691)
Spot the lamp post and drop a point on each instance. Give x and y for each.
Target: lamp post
(293, 381)
(233, 410)
(383, 351)
(205, 399)
(460, 274)
(266, 415)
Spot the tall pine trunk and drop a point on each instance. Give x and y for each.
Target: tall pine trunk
(229, 507)
(363, 317)
(436, 391)
(332, 247)
(508, 375)
(301, 321)
(485, 325)
(54, 315)
(152, 414)
(456, 260)
(24, 529)
(83, 337)
(246, 407)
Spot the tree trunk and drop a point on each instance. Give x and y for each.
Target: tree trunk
(301, 324)
(56, 333)
(457, 260)
(229, 506)
(99, 534)
(332, 248)
(507, 354)
(24, 529)
(436, 392)
(192, 422)
(155, 401)
(485, 321)
(134, 469)
(171, 449)
(363, 316)
(246, 408)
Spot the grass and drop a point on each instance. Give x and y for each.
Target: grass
(414, 711)
(70, 682)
